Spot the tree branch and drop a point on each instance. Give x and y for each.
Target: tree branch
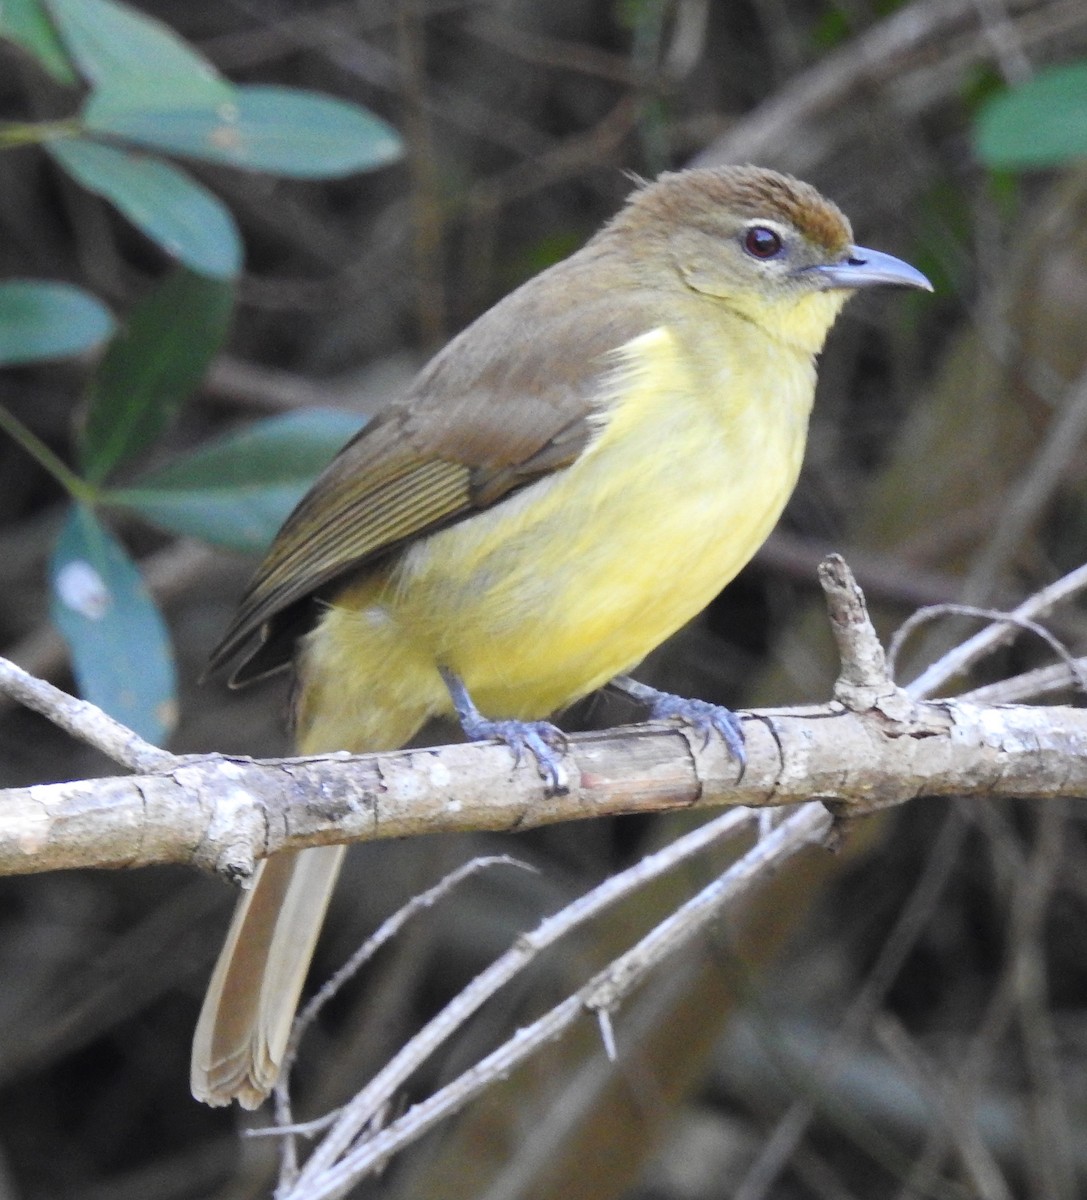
(224, 813)
(876, 745)
(82, 720)
(873, 747)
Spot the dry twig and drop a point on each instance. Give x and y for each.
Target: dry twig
(875, 746)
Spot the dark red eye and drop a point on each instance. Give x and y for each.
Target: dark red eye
(761, 242)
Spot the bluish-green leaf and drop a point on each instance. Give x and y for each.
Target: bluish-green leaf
(157, 358)
(26, 23)
(48, 320)
(238, 491)
(1042, 123)
(120, 648)
(280, 130)
(133, 60)
(185, 219)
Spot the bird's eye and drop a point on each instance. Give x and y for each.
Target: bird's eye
(761, 242)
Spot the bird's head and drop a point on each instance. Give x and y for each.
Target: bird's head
(767, 246)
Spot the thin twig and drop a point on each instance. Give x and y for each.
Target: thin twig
(426, 207)
(778, 1149)
(1029, 685)
(542, 50)
(978, 1063)
(925, 615)
(359, 1111)
(1028, 496)
(999, 31)
(83, 720)
(960, 659)
(977, 1160)
(1051, 1128)
(801, 124)
(306, 1129)
(328, 1180)
(382, 935)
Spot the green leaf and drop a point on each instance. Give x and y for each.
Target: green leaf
(1043, 123)
(26, 23)
(133, 60)
(185, 219)
(238, 491)
(48, 320)
(155, 361)
(280, 130)
(121, 652)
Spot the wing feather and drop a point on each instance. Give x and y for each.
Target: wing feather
(479, 422)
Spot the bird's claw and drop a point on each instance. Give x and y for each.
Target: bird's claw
(540, 738)
(704, 718)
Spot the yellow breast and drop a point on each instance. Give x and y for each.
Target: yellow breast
(576, 578)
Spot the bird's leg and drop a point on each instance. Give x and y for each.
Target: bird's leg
(540, 738)
(700, 714)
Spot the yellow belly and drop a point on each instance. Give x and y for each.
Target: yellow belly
(551, 593)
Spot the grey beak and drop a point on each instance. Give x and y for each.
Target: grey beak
(866, 268)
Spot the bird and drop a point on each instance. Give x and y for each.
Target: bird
(567, 482)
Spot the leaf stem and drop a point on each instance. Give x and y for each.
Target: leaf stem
(77, 487)
(26, 133)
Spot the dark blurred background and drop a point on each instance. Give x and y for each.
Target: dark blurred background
(921, 1029)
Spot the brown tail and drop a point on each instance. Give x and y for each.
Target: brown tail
(361, 687)
(250, 1003)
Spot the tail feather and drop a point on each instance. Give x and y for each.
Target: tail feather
(250, 1004)
(361, 686)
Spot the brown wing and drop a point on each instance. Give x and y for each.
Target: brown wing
(500, 406)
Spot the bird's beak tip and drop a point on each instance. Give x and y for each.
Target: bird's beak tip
(869, 268)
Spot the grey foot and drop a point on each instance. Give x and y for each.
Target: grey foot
(702, 716)
(541, 739)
